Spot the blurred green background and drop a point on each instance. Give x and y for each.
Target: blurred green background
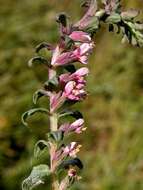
(113, 144)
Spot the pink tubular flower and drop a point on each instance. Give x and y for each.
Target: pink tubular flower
(80, 36)
(72, 149)
(74, 84)
(76, 76)
(76, 127)
(74, 91)
(64, 59)
(80, 54)
(56, 54)
(83, 51)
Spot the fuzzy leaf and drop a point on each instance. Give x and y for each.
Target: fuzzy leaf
(43, 45)
(37, 176)
(132, 34)
(75, 114)
(72, 162)
(39, 146)
(93, 25)
(113, 18)
(32, 112)
(38, 60)
(56, 136)
(62, 18)
(51, 84)
(70, 68)
(38, 94)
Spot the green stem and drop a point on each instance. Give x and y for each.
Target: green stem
(55, 183)
(54, 121)
(54, 127)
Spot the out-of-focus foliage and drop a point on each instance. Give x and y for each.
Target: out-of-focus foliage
(112, 145)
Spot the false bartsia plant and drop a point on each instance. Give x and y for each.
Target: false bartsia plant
(66, 86)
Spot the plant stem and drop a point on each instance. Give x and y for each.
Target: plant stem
(55, 183)
(53, 127)
(53, 121)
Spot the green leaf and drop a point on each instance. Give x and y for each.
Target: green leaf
(37, 177)
(51, 84)
(56, 136)
(93, 25)
(39, 147)
(43, 45)
(38, 94)
(114, 18)
(70, 68)
(31, 112)
(72, 162)
(62, 18)
(38, 60)
(132, 33)
(75, 114)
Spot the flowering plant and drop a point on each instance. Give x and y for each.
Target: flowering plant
(66, 86)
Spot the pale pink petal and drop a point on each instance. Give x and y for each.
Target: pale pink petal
(78, 130)
(64, 77)
(69, 87)
(73, 97)
(77, 123)
(65, 58)
(82, 71)
(56, 54)
(83, 59)
(80, 36)
(64, 127)
(73, 145)
(86, 48)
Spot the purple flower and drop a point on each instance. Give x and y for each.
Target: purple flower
(73, 91)
(80, 54)
(83, 51)
(80, 36)
(74, 84)
(72, 149)
(76, 127)
(56, 54)
(64, 58)
(76, 76)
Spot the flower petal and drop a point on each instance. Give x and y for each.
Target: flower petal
(69, 87)
(80, 36)
(82, 71)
